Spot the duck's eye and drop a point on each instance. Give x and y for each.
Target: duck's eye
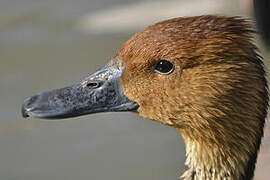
(164, 67)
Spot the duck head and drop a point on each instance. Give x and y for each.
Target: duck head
(200, 75)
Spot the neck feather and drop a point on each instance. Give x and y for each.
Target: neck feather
(215, 161)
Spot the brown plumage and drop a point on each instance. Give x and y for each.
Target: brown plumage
(216, 97)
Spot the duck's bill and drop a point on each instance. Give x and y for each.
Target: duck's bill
(100, 92)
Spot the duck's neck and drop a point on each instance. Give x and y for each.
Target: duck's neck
(211, 161)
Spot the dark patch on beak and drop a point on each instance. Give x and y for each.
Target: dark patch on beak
(100, 92)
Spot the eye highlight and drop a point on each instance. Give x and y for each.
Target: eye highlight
(163, 67)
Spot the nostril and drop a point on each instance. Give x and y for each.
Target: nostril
(94, 84)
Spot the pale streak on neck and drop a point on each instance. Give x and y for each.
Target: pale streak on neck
(211, 162)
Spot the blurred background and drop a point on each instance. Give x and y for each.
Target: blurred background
(48, 44)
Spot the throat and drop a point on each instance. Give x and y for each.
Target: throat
(219, 161)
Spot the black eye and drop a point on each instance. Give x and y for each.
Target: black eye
(164, 67)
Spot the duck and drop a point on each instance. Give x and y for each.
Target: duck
(203, 76)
